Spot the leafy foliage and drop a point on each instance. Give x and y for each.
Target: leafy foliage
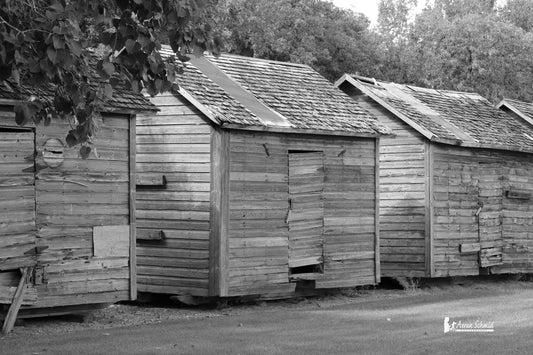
(317, 33)
(465, 45)
(83, 50)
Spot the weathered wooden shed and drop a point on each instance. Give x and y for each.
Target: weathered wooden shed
(253, 176)
(68, 222)
(456, 182)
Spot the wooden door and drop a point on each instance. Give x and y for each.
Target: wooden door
(306, 209)
(490, 214)
(17, 199)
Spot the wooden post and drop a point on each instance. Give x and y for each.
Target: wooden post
(133, 224)
(219, 215)
(11, 316)
(428, 156)
(377, 259)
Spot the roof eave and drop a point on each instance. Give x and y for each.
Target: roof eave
(106, 108)
(289, 130)
(515, 110)
(128, 111)
(347, 78)
(464, 144)
(201, 107)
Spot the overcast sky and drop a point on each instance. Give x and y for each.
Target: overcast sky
(370, 7)
(367, 7)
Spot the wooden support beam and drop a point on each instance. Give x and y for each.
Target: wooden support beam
(377, 260)
(11, 316)
(428, 221)
(132, 210)
(219, 215)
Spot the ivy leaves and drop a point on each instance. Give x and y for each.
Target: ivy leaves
(67, 57)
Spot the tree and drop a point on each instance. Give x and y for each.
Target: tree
(475, 52)
(394, 17)
(519, 13)
(465, 45)
(62, 42)
(394, 25)
(314, 32)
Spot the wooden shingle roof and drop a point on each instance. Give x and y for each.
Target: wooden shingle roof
(520, 108)
(301, 99)
(122, 101)
(451, 117)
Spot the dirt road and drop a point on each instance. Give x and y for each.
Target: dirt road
(393, 322)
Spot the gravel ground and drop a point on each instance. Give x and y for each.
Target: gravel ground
(163, 310)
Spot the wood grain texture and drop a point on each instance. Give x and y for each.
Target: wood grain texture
(64, 203)
(18, 297)
(132, 208)
(259, 204)
(176, 143)
(17, 196)
(402, 197)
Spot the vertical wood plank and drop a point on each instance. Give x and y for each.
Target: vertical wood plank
(376, 220)
(219, 214)
(215, 213)
(11, 316)
(225, 212)
(132, 194)
(429, 260)
(306, 183)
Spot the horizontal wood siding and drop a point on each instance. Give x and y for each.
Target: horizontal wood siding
(70, 200)
(402, 207)
(175, 143)
(17, 200)
(259, 207)
(517, 221)
(456, 202)
(467, 179)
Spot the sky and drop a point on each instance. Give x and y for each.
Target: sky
(367, 7)
(370, 7)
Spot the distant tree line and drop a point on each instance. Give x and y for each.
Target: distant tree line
(83, 50)
(465, 45)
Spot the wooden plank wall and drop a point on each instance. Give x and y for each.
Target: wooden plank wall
(456, 202)
(175, 143)
(517, 222)
(403, 197)
(17, 198)
(70, 200)
(306, 216)
(258, 229)
(459, 174)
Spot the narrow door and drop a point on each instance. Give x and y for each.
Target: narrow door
(17, 199)
(306, 212)
(490, 214)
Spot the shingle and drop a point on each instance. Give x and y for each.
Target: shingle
(297, 92)
(455, 115)
(122, 98)
(525, 108)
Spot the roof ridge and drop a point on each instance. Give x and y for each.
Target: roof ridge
(289, 64)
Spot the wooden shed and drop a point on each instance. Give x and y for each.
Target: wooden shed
(68, 223)
(456, 182)
(253, 176)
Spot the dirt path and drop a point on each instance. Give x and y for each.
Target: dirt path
(395, 322)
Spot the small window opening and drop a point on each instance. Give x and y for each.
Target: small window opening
(151, 183)
(308, 269)
(14, 129)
